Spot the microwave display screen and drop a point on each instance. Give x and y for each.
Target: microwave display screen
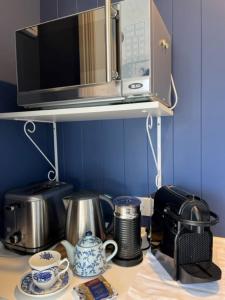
(67, 52)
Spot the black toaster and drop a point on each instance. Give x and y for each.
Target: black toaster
(34, 216)
(181, 237)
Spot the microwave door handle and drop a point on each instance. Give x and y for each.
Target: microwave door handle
(108, 32)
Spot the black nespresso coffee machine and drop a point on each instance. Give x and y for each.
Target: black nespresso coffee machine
(181, 237)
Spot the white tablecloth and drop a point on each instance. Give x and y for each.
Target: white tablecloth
(153, 283)
(147, 281)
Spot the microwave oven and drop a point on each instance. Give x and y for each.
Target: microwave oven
(118, 53)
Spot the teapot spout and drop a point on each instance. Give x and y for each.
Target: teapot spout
(69, 250)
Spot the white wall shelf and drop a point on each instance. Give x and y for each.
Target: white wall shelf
(119, 111)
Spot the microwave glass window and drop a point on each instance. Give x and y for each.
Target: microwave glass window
(68, 52)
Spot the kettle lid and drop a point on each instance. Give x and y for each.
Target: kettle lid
(89, 240)
(82, 195)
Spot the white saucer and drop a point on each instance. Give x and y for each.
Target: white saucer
(27, 287)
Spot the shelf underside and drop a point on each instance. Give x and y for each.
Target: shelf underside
(119, 111)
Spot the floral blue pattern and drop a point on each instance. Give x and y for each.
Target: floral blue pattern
(46, 255)
(89, 260)
(44, 276)
(28, 287)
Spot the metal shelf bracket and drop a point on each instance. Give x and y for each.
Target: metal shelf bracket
(30, 128)
(157, 156)
(159, 152)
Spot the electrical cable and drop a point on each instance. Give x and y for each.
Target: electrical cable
(175, 93)
(149, 125)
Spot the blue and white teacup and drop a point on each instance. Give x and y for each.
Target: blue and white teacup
(46, 268)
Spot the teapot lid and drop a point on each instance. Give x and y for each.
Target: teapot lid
(89, 240)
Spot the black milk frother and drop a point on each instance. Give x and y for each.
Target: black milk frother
(127, 231)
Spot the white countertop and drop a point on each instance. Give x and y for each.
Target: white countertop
(145, 281)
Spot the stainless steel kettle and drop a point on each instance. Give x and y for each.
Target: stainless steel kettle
(84, 213)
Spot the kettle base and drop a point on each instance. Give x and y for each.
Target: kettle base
(128, 262)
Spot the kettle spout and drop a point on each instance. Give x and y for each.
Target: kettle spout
(70, 249)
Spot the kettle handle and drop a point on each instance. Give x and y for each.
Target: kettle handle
(108, 199)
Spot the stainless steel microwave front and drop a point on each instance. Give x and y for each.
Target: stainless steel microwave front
(96, 57)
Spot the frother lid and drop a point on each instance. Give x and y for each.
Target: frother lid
(126, 201)
(126, 207)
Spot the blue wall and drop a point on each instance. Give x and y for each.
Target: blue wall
(20, 163)
(113, 156)
(14, 15)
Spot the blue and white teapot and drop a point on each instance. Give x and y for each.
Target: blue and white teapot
(90, 255)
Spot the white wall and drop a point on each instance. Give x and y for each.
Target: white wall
(14, 14)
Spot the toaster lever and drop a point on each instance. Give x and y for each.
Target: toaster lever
(15, 238)
(12, 207)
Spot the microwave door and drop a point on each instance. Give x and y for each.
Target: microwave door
(76, 60)
(92, 47)
(73, 51)
(99, 45)
(66, 52)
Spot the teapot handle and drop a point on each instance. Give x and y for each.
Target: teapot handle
(108, 199)
(105, 244)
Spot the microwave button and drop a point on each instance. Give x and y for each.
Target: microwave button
(135, 86)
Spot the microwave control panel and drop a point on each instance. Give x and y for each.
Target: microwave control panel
(135, 27)
(146, 51)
